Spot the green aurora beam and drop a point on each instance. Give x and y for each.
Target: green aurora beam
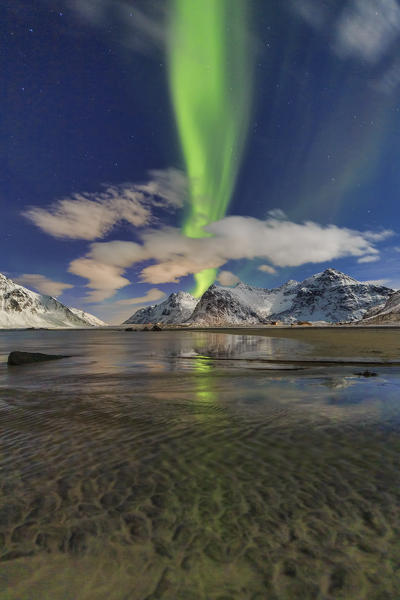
(210, 74)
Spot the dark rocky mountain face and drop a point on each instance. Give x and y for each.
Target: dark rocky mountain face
(177, 308)
(388, 312)
(219, 305)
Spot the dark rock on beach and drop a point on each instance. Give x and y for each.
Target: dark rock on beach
(24, 358)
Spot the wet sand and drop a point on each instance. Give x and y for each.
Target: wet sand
(199, 479)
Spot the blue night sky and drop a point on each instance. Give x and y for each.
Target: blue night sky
(93, 185)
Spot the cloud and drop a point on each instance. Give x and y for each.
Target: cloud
(227, 278)
(43, 284)
(89, 216)
(92, 11)
(267, 269)
(369, 259)
(152, 296)
(389, 80)
(363, 30)
(105, 279)
(117, 253)
(166, 187)
(277, 213)
(378, 236)
(174, 268)
(285, 243)
(139, 26)
(366, 29)
(314, 13)
(282, 243)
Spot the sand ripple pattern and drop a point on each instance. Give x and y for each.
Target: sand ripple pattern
(197, 488)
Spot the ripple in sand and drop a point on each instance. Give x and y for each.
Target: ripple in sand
(220, 485)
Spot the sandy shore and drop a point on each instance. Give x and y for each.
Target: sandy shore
(201, 481)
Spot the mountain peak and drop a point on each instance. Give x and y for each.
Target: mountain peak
(181, 294)
(333, 273)
(21, 307)
(329, 277)
(177, 308)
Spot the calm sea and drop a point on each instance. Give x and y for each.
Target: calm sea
(181, 465)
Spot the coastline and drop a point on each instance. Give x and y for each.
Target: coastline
(379, 343)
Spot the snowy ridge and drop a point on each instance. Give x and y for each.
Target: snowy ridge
(177, 308)
(333, 296)
(330, 296)
(87, 317)
(219, 305)
(20, 307)
(242, 304)
(389, 312)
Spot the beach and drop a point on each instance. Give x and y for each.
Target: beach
(180, 464)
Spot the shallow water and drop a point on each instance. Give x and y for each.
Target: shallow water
(181, 465)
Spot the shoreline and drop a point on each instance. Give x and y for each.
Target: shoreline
(379, 344)
(214, 328)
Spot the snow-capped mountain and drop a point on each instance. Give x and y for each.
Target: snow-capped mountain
(89, 318)
(330, 296)
(242, 304)
(177, 308)
(333, 296)
(20, 307)
(388, 312)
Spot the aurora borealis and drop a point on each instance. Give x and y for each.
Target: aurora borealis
(210, 78)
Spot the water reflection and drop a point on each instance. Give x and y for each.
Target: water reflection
(223, 345)
(204, 384)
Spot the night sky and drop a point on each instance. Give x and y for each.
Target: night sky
(95, 189)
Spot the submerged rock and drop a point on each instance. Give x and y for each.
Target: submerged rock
(24, 358)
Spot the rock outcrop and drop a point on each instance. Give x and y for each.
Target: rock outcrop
(17, 358)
